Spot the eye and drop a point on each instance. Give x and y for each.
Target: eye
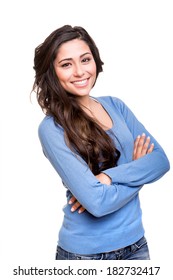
(86, 59)
(65, 65)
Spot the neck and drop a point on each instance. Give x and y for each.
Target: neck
(85, 102)
(89, 106)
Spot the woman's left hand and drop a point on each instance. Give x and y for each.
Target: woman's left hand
(103, 178)
(76, 205)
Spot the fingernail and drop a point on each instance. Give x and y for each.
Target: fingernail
(148, 137)
(72, 209)
(143, 134)
(70, 202)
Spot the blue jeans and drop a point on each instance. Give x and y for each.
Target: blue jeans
(136, 251)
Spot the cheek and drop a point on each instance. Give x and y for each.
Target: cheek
(93, 69)
(59, 74)
(62, 76)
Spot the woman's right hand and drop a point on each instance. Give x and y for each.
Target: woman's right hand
(142, 146)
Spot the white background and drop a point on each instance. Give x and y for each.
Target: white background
(135, 39)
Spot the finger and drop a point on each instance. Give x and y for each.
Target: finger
(145, 146)
(72, 200)
(140, 145)
(135, 146)
(75, 206)
(81, 210)
(151, 148)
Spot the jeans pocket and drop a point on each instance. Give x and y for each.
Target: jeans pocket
(140, 250)
(140, 246)
(140, 243)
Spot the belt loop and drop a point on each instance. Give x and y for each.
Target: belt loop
(132, 248)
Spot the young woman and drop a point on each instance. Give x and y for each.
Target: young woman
(102, 153)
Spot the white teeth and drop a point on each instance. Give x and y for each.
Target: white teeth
(80, 82)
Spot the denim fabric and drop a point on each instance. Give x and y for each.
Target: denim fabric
(136, 251)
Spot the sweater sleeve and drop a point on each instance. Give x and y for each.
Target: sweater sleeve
(97, 198)
(146, 169)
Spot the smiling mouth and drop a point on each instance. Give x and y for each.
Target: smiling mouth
(81, 82)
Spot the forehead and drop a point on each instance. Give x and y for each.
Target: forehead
(72, 49)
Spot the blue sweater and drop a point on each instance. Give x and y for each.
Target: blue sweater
(112, 218)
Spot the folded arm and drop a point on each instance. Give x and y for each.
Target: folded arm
(97, 198)
(143, 170)
(142, 146)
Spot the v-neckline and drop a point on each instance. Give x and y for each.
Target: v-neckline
(106, 110)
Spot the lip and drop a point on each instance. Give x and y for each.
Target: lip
(81, 83)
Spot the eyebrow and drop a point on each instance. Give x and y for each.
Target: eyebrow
(69, 59)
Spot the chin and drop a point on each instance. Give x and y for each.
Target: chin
(80, 94)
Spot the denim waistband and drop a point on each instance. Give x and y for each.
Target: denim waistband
(120, 253)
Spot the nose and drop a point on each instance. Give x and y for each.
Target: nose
(78, 70)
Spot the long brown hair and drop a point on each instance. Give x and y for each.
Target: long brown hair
(82, 134)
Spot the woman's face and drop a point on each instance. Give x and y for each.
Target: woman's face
(75, 67)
